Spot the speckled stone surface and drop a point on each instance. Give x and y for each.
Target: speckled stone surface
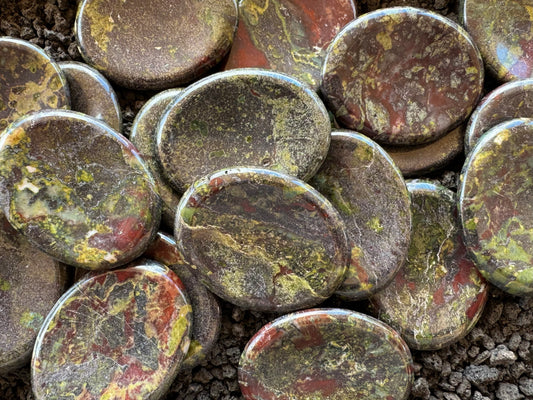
(92, 204)
(91, 93)
(326, 354)
(29, 81)
(144, 136)
(289, 36)
(245, 117)
(367, 189)
(118, 335)
(206, 310)
(509, 101)
(438, 295)
(503, 32)
(496, 205)
(144, 45)
(262, 240)
(402, 76)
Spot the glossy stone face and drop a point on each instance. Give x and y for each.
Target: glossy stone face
(438, 295)
(29, 81)
(289, 36)
(496, 205)
(118, 335)
(402, 76)
(326, 354)
(262, 240)
(77, 190)
(144, 45)
(243, 118)
(369, 192)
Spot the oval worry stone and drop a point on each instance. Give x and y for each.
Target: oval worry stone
(496, 205)
(261, 239)
(77, 189)
(369, 192)
(326, 354)
(242, 117)
(144, 45)
(118, 335)
(438, 295)
(402, 76)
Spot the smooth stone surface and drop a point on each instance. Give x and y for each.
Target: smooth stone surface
(144, 45)
(364, 185)
(326, 354)
(29, 81)
(262, 240)
(402, 76)
(144, 136)
(91, 93)
(118, 335)
(502, 30)
(30, 284)
(289, 36)
(496, 205)
(93, 204)
(245, 117)
(206, 315)
(438, 295)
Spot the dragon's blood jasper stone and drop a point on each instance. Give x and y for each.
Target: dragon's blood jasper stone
(496, 205)
(243, 117)
(155, 45)
(29, 81)
(508, 101)
(402, 75)
(438, 295)
(118, 335)
(205, 308)
(262, 240)
(324, 354)
(91, 93)
(369, 192)
(77, 189)
(289, 36)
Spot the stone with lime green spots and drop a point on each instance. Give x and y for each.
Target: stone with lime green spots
(76, 189)
(438, 295)
(29, 81)
(206, 310)
(369, 192)
(118, 335)
(402, 76)
(243, 117)
(496, 205)
(262, 240)
(324, 354)
(145, 45)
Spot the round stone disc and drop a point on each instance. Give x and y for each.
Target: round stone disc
(144, 45)
(289, 36)
(206, 310)
(262, 240)
(91, 93)
(438, 295)
(118, 335)
(496, 205)
(29, 81)
(369, 192)
(402, 76)
(77, 189)
(244, 117)
(326, 354)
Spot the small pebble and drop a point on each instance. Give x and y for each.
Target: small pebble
(508, 391)
(501, 355)
(482, 374)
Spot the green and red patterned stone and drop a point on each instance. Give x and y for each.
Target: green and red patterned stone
(326, 354)
(118, 335)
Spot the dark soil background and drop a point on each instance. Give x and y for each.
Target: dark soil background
(494, 361)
